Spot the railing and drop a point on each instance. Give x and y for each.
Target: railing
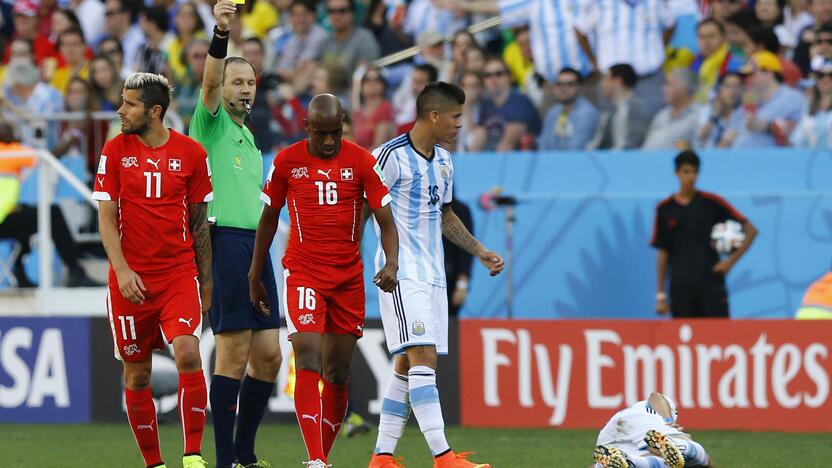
(405, 54)
(47, 164)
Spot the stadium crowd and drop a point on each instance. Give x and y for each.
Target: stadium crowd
(591, 74)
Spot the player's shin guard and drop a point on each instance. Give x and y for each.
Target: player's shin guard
(308, 411)
(141, 413)
(693, 452)
(424, 397)
(334, 401)
(254, 397)
(395, 409)
(193, 398)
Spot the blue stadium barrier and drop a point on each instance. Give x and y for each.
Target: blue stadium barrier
(585, 219)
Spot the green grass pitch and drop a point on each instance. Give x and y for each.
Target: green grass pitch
(112, 445)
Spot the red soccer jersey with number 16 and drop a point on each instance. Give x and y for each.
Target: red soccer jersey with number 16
(154, 188)
(324, 198)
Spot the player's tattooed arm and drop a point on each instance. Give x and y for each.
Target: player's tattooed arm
(455, 231)
(201, 234)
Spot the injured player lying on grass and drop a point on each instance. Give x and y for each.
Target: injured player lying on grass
(647, 435)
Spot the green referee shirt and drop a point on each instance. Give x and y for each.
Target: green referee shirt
(236, 167)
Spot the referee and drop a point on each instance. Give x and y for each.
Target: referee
(245, 339)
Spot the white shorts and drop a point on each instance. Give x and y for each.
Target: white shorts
(415, 314)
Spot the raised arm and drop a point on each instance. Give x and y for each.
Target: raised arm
(455, 231)
(583, 42)
(201, 233)
(129, 283)
(386, 278)
(486, 7)
(262, 241)
(224, 10)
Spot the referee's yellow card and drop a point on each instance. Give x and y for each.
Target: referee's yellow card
(240, 2)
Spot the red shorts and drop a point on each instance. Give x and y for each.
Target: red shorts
(172, 307)
(333, 305)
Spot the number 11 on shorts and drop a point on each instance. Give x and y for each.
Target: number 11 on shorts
(306, 298)
(123, 320)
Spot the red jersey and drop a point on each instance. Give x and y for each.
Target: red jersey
(324, 199)
(154, 188)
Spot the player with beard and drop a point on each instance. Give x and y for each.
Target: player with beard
(248, 354)
(153, 186)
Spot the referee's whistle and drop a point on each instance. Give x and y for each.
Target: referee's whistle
(247, 105)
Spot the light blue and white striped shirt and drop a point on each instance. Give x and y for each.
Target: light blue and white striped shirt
(627, 31)
(551, 31)
(419, 188)
(423, 16)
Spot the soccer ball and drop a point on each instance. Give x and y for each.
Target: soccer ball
(727, 236)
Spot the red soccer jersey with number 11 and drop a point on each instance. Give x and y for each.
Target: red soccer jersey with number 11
(154, 188)
(324, 198)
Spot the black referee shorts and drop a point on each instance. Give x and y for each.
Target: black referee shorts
(232, 249)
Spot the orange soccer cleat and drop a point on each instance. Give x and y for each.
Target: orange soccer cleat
(457, 460)
(385, 461)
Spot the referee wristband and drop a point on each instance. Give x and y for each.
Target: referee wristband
(219, 44)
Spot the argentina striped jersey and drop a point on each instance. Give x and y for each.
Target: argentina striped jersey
(551, 32)
(627, 31)
(419, 187)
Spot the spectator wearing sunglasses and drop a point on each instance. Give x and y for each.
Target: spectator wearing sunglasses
(813, 129)
(821, 11)
(348, 45)
(120, 23)
(770, 108)
(506, 115)
(571, 122)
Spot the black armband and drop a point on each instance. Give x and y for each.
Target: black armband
(219, 44)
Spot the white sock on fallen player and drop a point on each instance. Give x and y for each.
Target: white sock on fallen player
(424, 399)
(649, 461)
(693, 452)
(395, 409)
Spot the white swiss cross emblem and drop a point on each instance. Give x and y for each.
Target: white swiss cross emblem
(346, 173)
(174, 165)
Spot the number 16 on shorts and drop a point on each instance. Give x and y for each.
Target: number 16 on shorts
(304, 311)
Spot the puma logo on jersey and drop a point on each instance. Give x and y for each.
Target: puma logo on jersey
(148, 427)
(313, 417)
(101, 181)
(334, 427)
(186, 322)
(155, 163)
(198, 410)
(324, 173)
